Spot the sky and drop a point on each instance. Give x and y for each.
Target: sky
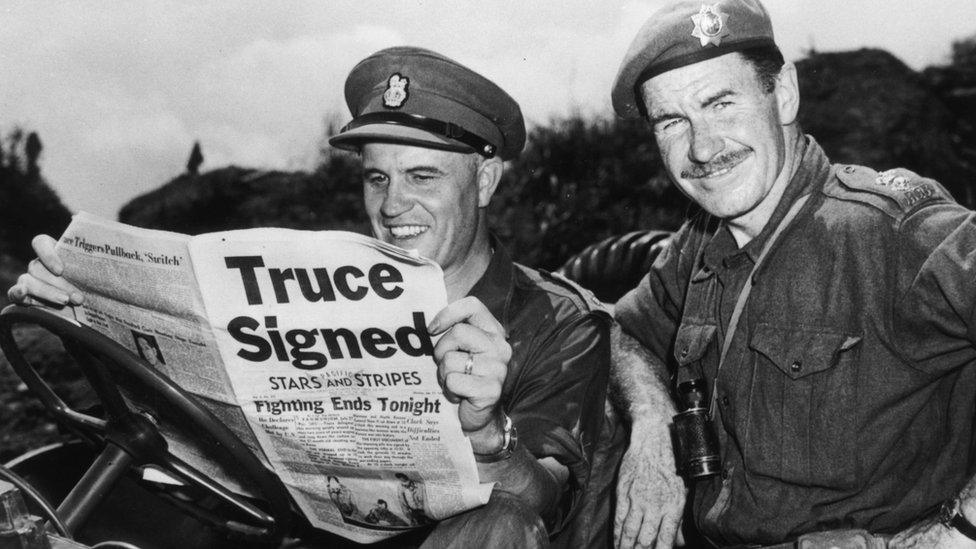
(120, 91)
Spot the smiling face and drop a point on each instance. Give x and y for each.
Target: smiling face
(722, 137)
(430, 200)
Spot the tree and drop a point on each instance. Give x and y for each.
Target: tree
(27, 205)
(195, 160)
(964, 54)
(579, 181)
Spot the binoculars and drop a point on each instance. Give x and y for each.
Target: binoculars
(695, 436)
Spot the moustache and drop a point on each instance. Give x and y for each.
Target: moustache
(702, 170)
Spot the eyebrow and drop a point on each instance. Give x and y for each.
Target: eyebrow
(433, 169)
(661, 117)
(718, 96)
(413, 169)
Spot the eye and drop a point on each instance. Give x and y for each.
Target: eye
(721, 105)
(668, 125)
(375, 180)
(423, 177)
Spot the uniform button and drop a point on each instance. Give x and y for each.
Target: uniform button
(726, 472)
(796, 366)
(684, 352)
(725, 401)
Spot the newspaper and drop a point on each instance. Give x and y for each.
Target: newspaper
(312, 347)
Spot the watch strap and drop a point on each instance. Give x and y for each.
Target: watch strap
(950, 517)
(962, 524)
(509, 444)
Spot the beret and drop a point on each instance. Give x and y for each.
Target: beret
(419, 97)
(683, 33)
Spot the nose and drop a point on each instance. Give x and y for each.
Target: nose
(705, 143)
(396, 201)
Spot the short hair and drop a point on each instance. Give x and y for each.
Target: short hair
(768, 62)
(381, 502)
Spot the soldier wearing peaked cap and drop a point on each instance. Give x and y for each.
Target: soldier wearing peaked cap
(817, 319)
(432, 135)
(523, 355)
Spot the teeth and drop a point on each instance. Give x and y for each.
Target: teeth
(407, 231)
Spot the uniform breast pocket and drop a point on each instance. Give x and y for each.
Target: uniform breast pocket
(802, 406)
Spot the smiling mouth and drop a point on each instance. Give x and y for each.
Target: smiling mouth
(717, 173)
(402, 232)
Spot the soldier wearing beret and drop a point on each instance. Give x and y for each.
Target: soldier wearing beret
(522, 353)
(821, 315)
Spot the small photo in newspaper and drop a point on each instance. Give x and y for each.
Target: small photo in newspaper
(398, 504)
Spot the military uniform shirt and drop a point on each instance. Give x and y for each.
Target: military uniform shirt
(848, 394)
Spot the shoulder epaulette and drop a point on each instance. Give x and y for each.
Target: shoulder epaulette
(898, 192)
(584, 299)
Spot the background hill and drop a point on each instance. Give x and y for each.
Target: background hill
(578, 181)
(581, 180)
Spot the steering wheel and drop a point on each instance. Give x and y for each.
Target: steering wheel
(135, 398)
(611, 267)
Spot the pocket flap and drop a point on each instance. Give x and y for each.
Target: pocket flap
(800, 351)
(692, 342)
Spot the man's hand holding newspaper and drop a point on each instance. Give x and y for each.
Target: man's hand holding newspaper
(317, 349)
(472, 358)
(43, 281)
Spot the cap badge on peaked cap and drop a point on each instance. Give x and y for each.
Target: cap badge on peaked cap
(396, 91)
(710, 25)
(417, 97)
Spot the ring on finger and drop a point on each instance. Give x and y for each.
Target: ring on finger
(469, 364)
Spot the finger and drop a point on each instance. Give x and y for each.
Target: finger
(43, 246)
(623, 507)
(28, 287)
(649, 533)
(17, 294)
(468, 310)
(668, 531)
(480, 390)
(467, 338)
(453, 362)
(45, 278)
(631, 527)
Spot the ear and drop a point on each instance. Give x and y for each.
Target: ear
(787, 94)
(489, 175)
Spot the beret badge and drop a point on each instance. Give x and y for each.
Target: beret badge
(710, 25)
(396, 91)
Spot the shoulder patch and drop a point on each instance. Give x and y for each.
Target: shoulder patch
(902, 190)
(583, 298)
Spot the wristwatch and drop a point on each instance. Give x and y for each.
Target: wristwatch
(509, 444)
(950, 517)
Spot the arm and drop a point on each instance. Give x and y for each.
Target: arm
(930, 532)
(470, 330)
(650, 494)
